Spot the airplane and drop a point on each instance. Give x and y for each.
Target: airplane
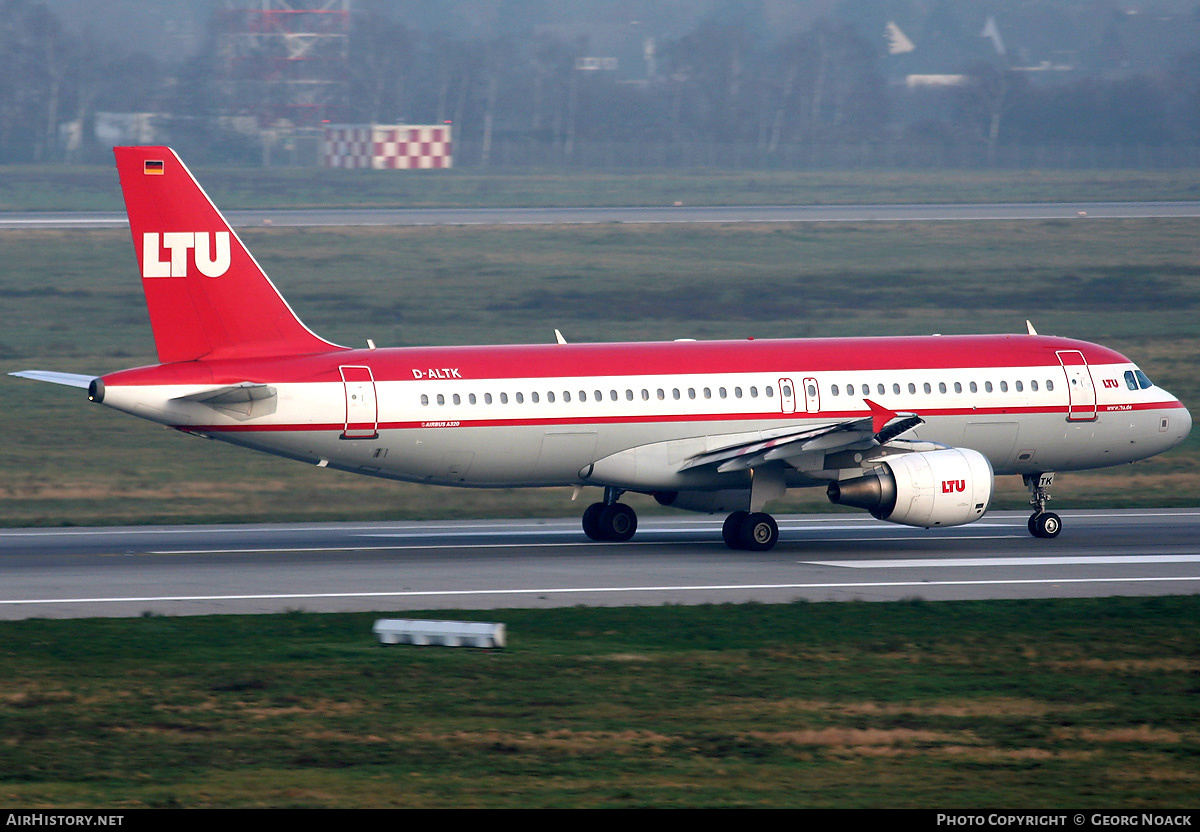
(913, 430)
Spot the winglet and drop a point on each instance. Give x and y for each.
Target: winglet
(880, 415)
(1029, 328)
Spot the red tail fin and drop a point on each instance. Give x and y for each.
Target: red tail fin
(208, 297)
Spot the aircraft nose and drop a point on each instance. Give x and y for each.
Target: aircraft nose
(1185, 423)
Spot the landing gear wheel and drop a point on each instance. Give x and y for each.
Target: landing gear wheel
(617, 522)
(1045, 524)
(731, 530)
(758, 532)
(591, 521)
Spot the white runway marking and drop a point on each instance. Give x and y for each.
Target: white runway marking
(441, 593)
(1034, 561)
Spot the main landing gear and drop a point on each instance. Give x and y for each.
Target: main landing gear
(610, 521)
(754, 531)
(1044, 524)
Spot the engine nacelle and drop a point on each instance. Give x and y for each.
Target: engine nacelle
(708, 502)
(948, 487)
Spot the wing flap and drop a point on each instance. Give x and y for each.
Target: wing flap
(880, 427)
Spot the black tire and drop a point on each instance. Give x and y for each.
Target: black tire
(618, 522)
(591, 521)
(731, 531)
(1045, 524)
(758, 532)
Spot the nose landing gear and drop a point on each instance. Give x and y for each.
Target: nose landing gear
(1044, 524)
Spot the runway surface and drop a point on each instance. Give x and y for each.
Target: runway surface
(180, 570)
(663, 214)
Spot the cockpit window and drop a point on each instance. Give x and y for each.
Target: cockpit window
(1130, 380)
(1142, 380)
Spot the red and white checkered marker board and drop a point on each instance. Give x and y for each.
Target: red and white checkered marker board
(388, 147)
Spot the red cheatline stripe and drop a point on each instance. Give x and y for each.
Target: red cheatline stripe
(789, 418)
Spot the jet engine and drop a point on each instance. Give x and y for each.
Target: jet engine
(948, 487)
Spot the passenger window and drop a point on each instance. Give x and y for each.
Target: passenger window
(661, 394)
(770, 392)
(1020, 386)
(754, 392)
(912, 388)
(1033, 385)
(896, 389)
(974, 387)
(707, 392)
(941, 387)
(691, 392)
(487, 398)
(471, 398)
(675, 393)
(520, 398)
(457, 399)
(958, 387)
(1049, 384)
(832, 389)
(1004, 387)
(987, 386)
(533, 397)
(879, 389)
(425, 399)
(503, 398)
(723, 392)
(441, 399)
(737, 391)
(866, 389)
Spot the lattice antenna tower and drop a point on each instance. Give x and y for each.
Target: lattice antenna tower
(285, 62)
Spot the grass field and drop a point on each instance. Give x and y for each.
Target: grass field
(1032, 705)
(71, 302)
(74, 188)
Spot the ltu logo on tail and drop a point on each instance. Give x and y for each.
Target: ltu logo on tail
(950, 486)
(208, 263)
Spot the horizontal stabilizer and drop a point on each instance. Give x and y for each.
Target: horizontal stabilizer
(68, 379)
(247, 400)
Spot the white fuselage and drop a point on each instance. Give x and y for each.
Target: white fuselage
(634, 430)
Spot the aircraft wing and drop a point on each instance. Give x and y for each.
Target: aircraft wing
(880, 427)
(68, 379)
